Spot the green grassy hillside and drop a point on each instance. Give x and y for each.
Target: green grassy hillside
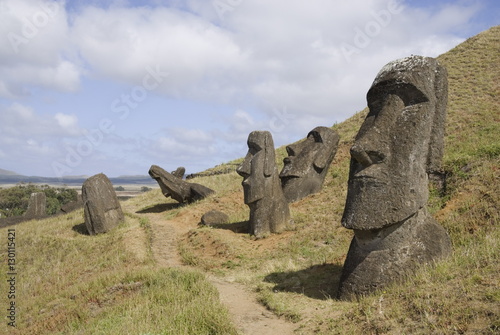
(70, 283)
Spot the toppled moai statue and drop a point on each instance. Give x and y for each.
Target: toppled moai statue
(307, 164)
(102, 209)
(178, 189)
(179, 173)
(398, 144)
(37, 205)
(269, 211)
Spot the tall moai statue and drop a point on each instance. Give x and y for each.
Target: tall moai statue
(269, 212)
(102, 210)
(307, 164)
(398, 145)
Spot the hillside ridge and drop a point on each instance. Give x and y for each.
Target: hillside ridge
(112, 284)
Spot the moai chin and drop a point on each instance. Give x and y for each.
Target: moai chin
(398, 144)
(269, 212)
(307, 164)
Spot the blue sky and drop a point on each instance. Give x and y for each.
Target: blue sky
(116, 86)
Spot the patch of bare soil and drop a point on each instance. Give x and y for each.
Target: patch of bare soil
(248, 315)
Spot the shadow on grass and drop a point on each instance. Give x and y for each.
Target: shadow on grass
(318, 281)
(236, 227)
(159, 208)
(81, 229)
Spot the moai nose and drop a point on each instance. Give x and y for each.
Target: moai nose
(360, 155)
(244, 169)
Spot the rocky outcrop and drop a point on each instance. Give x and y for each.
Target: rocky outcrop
(213, 218)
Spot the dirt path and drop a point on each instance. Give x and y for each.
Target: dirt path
(248, 315)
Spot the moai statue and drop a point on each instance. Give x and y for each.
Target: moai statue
(37, 205)
(307, 163)
(175, 187)
(179, 173)
(398, 144)
(102, 209)
(269, 211)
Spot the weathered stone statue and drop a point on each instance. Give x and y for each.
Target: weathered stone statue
(398, 144)
(269, 211)
(102, 209)
(179, 172)
(178, 189)
(307, 163)
(37, 205)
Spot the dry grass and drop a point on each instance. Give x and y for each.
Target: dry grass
(73, 283)
(296, 273)
(69, 283)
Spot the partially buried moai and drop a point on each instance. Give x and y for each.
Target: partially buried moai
(102, 210)
(398, 144)
(307, 164)
(269, 211)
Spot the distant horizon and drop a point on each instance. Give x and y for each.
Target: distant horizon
(115, 87)
(4, 172)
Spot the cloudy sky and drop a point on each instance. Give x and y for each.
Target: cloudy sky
(116, 86)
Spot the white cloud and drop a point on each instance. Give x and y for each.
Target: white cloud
(120, 43)
(21, 121)
(177, 146)
(36, 47)
(69, 123)
(280, 65)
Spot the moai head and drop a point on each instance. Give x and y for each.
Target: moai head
(102, 210)
(400, 141)
(269, 212)
(258, 167)
(307, 163)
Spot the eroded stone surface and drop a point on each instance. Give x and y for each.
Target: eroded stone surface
(398, 145)
(37, 205)
(214, 217)
(269, 212)
(307, 164)
(178, 189)
(102, 210)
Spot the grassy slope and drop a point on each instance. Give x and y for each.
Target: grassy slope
(72, 283)
(297, 272)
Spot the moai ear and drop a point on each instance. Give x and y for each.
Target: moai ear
(269, 157)
(321, 160)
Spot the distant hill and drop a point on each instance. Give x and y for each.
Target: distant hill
(13, 178)
(7, 173)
